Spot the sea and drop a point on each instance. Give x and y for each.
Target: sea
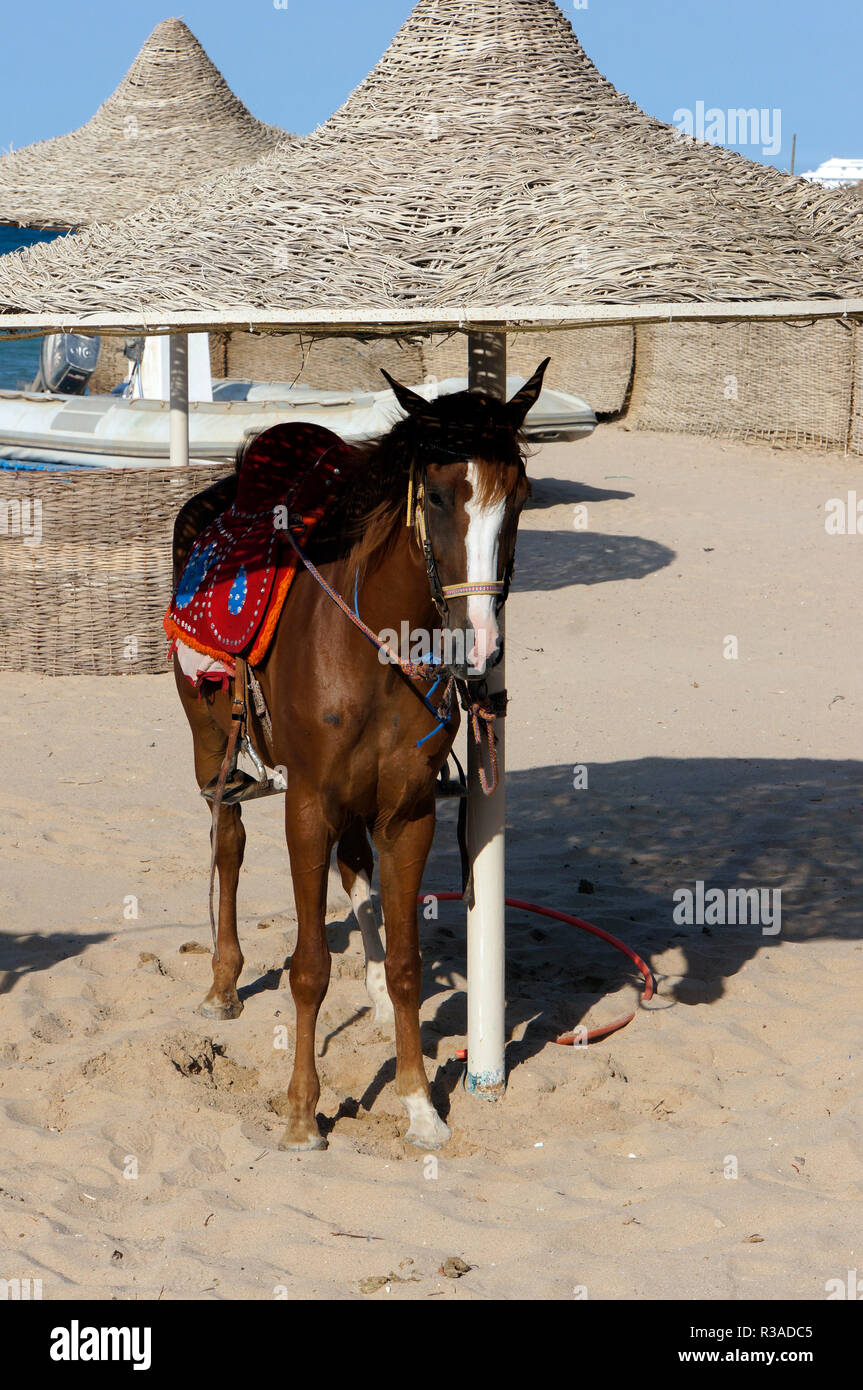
(19, 360)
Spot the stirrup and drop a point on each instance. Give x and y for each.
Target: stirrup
(240, 786)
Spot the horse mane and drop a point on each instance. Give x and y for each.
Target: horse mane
(365, 522)
(367, 516)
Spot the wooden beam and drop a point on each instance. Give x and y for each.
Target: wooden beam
(514, 318)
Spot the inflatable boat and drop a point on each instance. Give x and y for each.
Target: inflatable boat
(79, 431)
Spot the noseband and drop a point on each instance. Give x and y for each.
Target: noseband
(418, 517)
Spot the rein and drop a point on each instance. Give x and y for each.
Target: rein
(480, 708)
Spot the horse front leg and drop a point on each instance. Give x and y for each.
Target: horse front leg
(310, 844)
(402, 854)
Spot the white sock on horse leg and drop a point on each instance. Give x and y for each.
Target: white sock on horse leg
(427, 1129)
(376, 980)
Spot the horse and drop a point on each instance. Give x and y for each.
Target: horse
(425, 532)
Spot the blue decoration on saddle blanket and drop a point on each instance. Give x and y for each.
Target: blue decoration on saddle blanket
(240, 569)
(194, 575)
(239, 593)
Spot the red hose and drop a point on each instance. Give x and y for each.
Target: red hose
(606, 1029)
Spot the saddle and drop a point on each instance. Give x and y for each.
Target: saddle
(230, 596)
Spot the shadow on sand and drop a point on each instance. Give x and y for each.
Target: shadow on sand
(560, 559)
(615, 854)
(26, 953)
(560, 492)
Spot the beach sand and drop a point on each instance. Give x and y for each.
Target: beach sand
(710, 1150)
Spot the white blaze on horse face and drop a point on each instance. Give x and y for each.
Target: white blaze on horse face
(482, 544)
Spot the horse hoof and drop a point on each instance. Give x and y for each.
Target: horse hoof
(431, 1141)
(428, 1131)
(299, 1144)
(210, 1009)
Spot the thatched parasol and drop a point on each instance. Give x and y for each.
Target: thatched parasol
(172, 120)
(484, 173)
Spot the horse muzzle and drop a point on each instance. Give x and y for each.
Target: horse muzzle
(471, 669)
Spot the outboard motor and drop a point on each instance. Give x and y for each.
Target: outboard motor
(67, 362)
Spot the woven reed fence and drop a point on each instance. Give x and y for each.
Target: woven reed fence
(784, 382)
(855, 439)
(332, 364)
(89, 598)
(111, 368)
(594, 363)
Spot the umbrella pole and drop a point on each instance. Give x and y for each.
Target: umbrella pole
(486, 819)
(178, 372)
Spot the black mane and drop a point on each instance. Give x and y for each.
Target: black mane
(453, 428)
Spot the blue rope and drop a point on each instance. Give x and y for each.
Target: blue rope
(430, 661)
(441, 724)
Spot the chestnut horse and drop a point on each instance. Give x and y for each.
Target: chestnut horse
(350, 728)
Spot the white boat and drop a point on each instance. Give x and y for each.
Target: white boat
(43, 429)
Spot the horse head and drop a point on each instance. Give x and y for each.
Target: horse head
(468, 486)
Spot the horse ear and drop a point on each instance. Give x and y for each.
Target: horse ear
(409, 401)
(527, 397)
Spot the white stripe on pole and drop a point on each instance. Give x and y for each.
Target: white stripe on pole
(179, 413)
(486, 821)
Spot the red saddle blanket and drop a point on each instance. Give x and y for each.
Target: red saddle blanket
(241, 568)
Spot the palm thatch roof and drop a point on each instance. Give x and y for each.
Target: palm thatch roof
(172, 120)
(484, 174)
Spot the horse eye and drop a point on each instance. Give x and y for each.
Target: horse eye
(436, 499)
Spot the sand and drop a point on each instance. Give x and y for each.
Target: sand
(711, 1150)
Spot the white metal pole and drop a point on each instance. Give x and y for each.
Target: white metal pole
(486, 820)
(179, 389)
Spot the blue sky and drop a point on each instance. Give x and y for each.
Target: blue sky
(293, 66)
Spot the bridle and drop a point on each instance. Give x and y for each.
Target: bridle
(418, 517)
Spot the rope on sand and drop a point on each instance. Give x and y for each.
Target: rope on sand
(578, 1037)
